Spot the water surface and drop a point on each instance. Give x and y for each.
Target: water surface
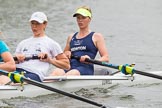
(132, 31)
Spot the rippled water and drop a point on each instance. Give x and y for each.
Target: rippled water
(132, 30)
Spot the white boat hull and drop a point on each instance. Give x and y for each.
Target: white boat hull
(74, 83)
(8, 91)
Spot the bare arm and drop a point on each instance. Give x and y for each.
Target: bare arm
(60, 61)
(100, 44)
(9, 64)
(67, 47)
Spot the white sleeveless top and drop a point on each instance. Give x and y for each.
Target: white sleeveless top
(38, 45)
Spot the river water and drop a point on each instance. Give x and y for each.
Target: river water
(132, 31)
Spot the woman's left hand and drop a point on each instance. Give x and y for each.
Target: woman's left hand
(44, 57)
(82, 58)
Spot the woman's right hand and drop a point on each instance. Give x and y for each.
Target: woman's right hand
(20, 57)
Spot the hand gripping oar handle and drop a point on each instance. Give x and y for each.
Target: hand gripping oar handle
(21, 78)
(117, 67)
(97, 62)
(30, 57)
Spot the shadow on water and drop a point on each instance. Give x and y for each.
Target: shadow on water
(96, 92)
(25, 102)
(56, 99)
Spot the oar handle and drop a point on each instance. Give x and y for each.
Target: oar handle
(101, 63)
(30, 57)
(75, 57)
(97, 62)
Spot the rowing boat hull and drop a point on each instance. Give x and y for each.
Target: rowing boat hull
(8, 91)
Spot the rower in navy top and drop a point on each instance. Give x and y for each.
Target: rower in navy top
(85, 44)
(80, 47)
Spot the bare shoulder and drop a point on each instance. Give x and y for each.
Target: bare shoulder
(98, 36)
(70, 36)
(68, 41)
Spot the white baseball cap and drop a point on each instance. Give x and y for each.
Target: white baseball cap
(38, 16)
